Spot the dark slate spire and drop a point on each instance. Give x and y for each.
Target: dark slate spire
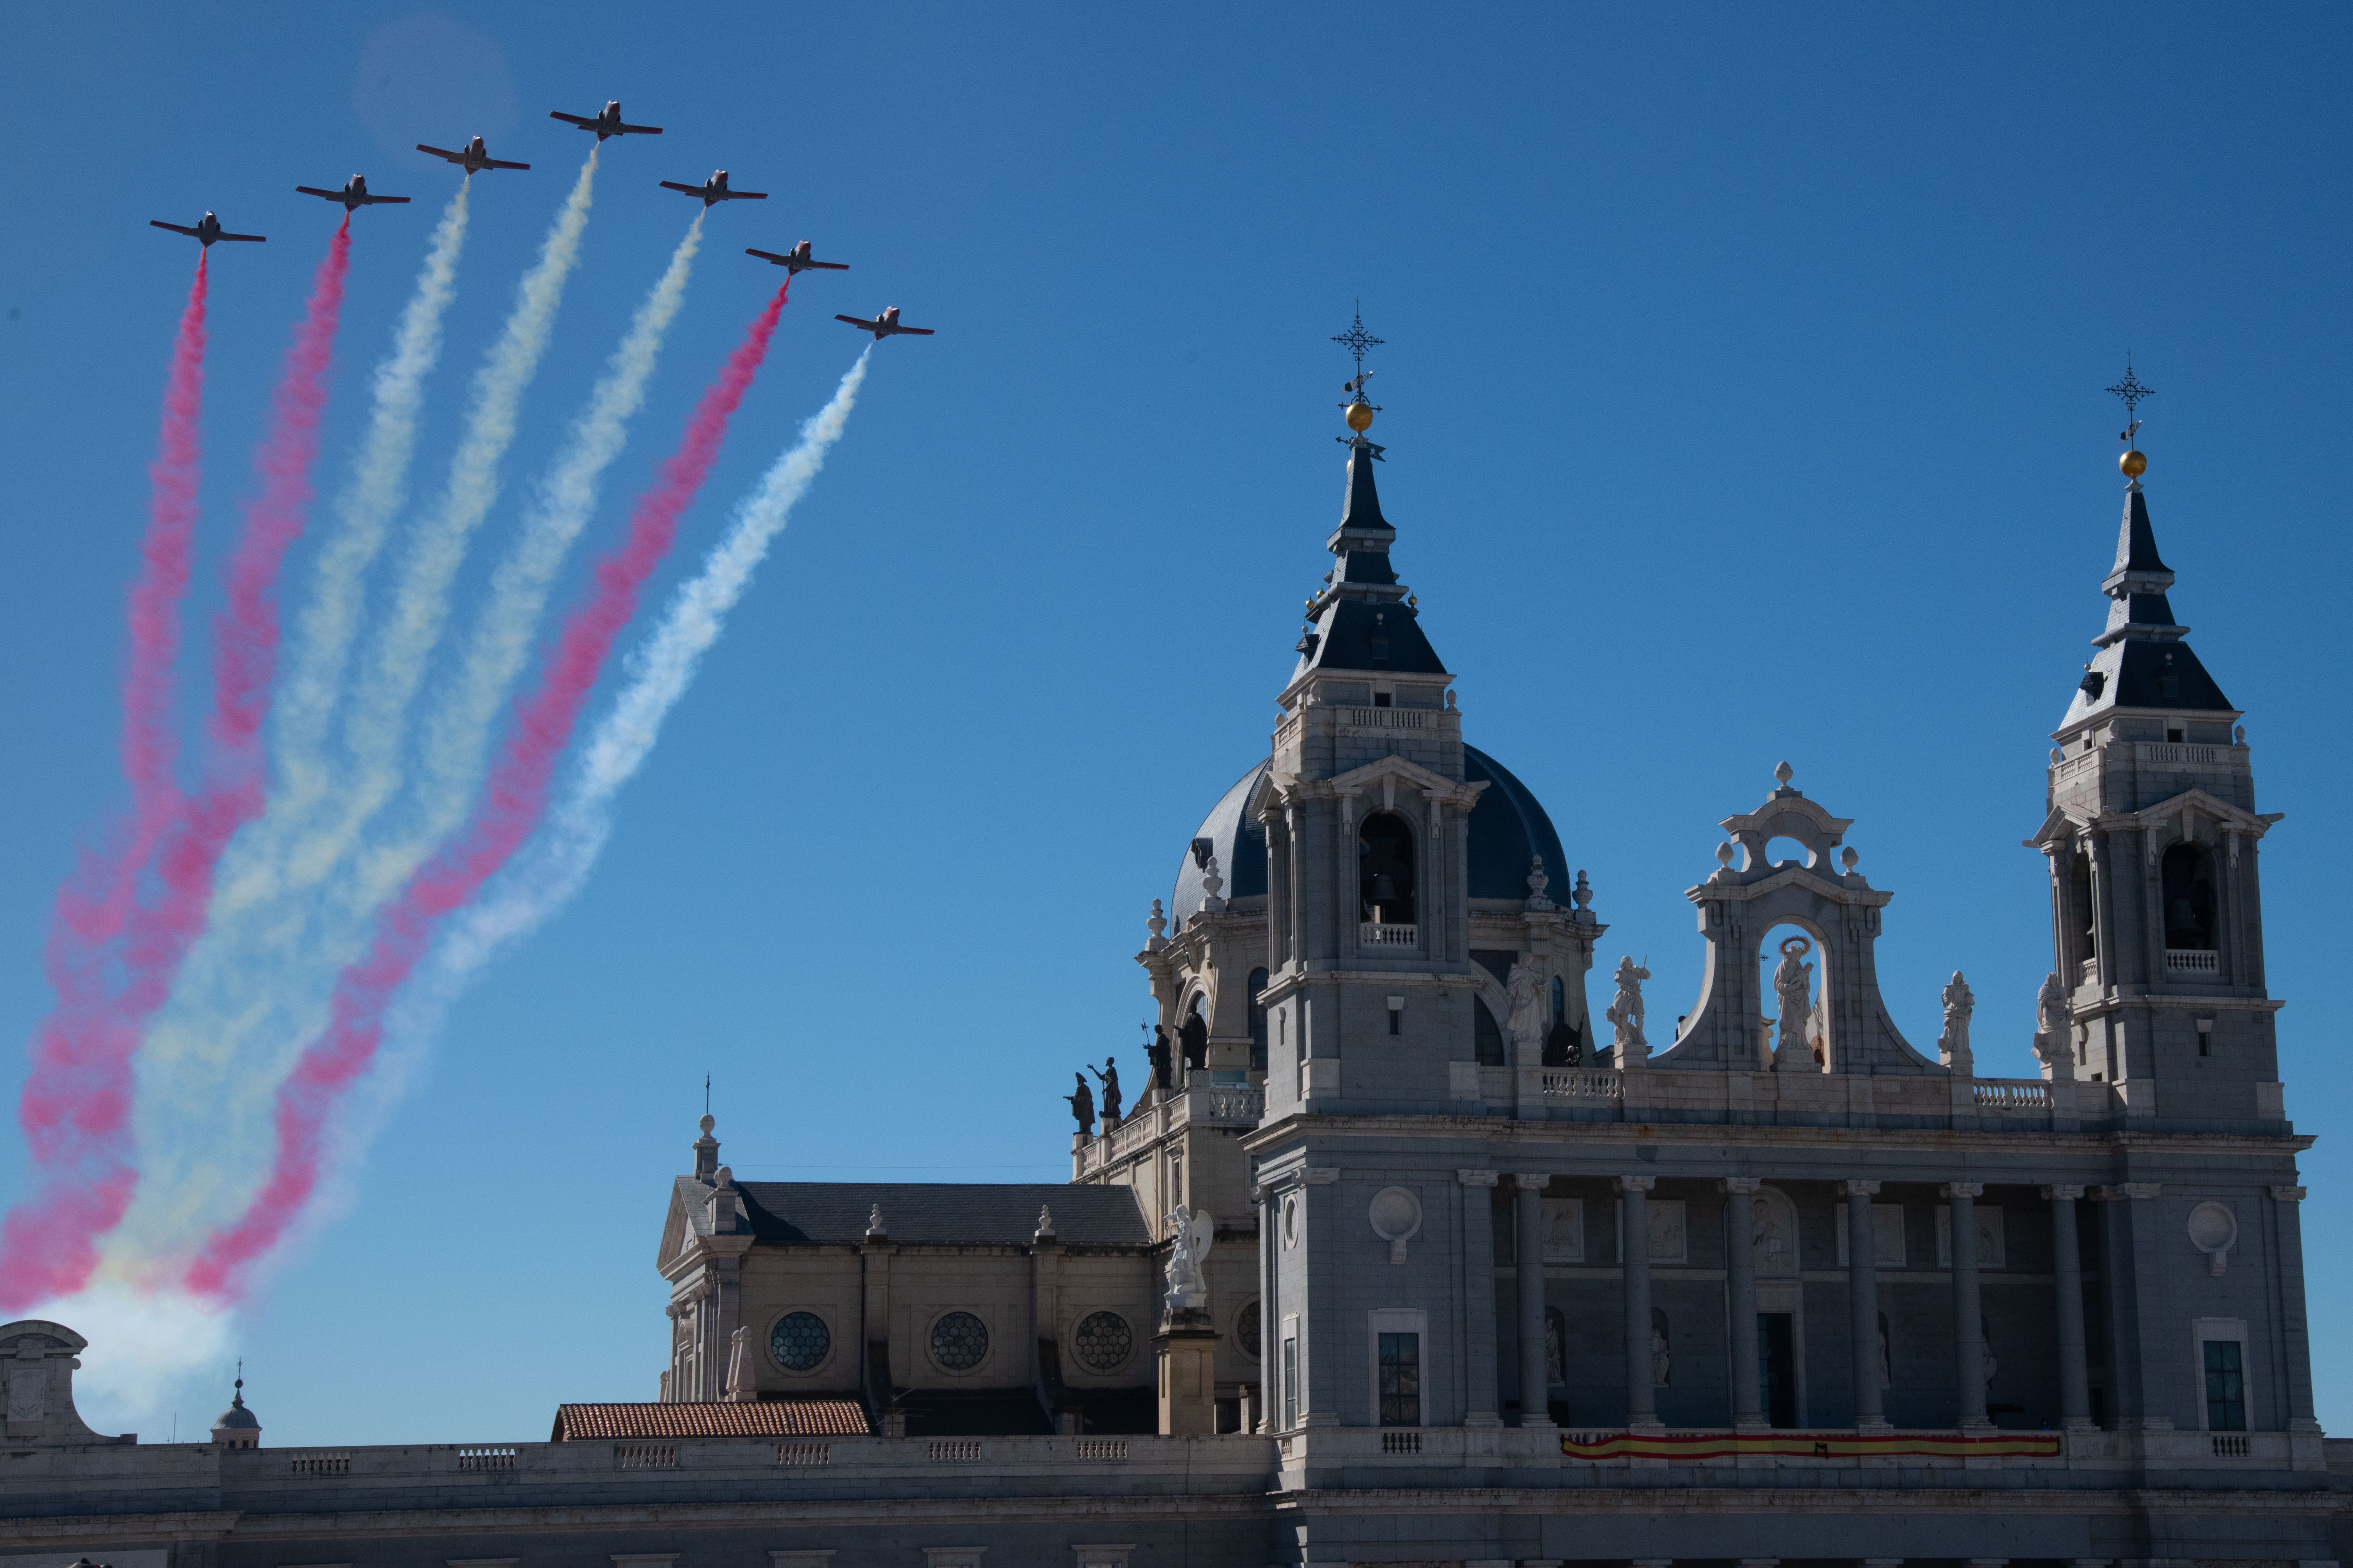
(1361, 512)
(1364, 618)
(2143, 662)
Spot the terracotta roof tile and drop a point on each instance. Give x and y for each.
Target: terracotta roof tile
(768, 1419)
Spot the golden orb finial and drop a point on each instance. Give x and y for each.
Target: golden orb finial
(2134, 465)
(1360, 418)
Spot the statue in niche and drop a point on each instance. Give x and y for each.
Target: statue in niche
(1953, 1044)
(2053, 1046)
(1525, 1024)
(1886, 1365)
(1082, 1104)
(1188, 1244)
(1991, 1365)
(1109, 1079)
(1663, 1364)
(1793, 982)
(1625, 1010)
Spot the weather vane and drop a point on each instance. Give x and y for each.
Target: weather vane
(2131, 390)
(1360, 409)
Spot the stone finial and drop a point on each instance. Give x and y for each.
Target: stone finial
(1582, 896)
(2057, 755)
(1212, 883)
(2241, 734)
(1723, 855)
(706, 1150)
(1045, 1231)
(1449, 700)
(1782, 774)
(1848, 857)
(1155, 924)
(1537, 882)
(874, 1230)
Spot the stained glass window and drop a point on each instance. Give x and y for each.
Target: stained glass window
(959, 1341)
(799, 1342)
(1246, 1330)
(1102, 1341)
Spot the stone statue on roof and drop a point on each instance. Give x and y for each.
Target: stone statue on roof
(1082, 1104)
(1625, 1010)
(1109, 1078)
(1188, 1244)
(1526, 1025)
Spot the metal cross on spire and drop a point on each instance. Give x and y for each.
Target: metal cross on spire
(1355, 340)
(2131, 392)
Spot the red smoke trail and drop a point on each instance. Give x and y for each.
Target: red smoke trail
(187, 841)
(516, 798)
(77, 1100)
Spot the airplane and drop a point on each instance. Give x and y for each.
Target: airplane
(474, 159)
(207, 229)
(714, 189)
(796, 261)
(355, 193)
(883, 325)
(607, 123)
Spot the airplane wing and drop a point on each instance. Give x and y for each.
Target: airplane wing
(920, 332)
(853, 321)
(255, 238)
(828, 266)
(767, 255)
(175, 228)
(371, 201)
(502, 163)
(440, 152)
(746, 196)
(571, 118)
(314, 191)
(642, 130)
(674, 185)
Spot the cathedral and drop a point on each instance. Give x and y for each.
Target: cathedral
(1397, 1251)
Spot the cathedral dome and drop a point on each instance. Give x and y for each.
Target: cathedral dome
(1508, 829)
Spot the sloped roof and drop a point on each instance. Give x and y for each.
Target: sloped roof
(945, 1213)
(794, 1417)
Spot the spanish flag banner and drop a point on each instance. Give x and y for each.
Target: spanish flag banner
(1691, 1447)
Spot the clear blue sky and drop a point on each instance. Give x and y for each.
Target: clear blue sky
(1744, 401)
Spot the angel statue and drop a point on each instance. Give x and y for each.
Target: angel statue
(1526, 1021)
(1188, 1287)
(2052, 1044)
(1625, 1012)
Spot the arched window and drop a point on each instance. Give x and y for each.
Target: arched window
(2088, 923)
(1486, 1037)
(1256, 1021)
(1384, 870)
(2188, 877)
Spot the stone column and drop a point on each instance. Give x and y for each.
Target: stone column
(1642, 1386)
(1270, 1306)
(1535, 1408)
(1479, 1314)
(1969, 1323)
(2067, 1266)
(1862, 1302)
(2288, 1261)
(1740, 1280)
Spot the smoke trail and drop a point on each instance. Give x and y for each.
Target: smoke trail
(556, 863)
(378, 487)
(458, 732)
(515, 799)
(395, 663)
(77, 1100)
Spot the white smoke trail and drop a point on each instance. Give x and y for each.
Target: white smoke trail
(152, 1352)
(554, 867)
(306, 701)
(461, 720)
(394, 667)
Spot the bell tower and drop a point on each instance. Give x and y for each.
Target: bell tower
(1365, 805)
(2151, 833)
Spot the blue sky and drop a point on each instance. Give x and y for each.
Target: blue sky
(1743, 390)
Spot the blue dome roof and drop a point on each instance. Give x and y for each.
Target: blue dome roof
(1508, 829)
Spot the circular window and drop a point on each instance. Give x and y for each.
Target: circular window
(1246, 1329)
(959, 1340)
(1290, 1221)
(1102, 1341)
(799, 1342)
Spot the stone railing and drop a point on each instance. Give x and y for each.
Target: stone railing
(1374, 933)
(1570, 1083)
(1389, 718)
(2010, 1094)
(2193, 961)
(2168, 751)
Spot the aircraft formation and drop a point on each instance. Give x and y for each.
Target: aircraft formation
(475, 157)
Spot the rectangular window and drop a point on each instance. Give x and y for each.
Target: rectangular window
(1401, 1380)
(2226, 1387)
(1397, 1020)
(1290, 1381)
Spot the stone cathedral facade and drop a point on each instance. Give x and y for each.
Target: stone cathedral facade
(1399, 1252)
